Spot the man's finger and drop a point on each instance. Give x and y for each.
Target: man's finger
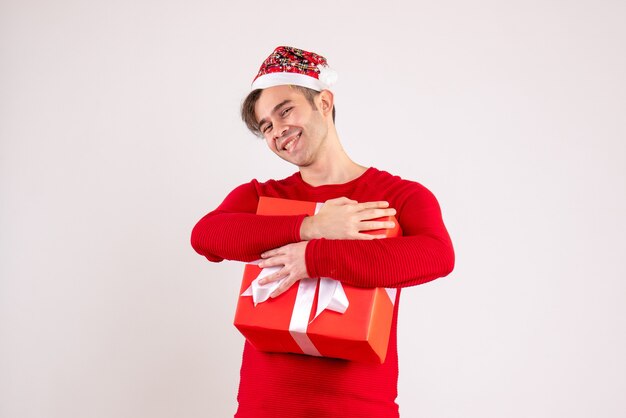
(375, 213)
(366, 237)
(286, 284)
(339, 201)
(372, 225)
(380, 204)
(280, 274)
(272, 253)
(276, 260)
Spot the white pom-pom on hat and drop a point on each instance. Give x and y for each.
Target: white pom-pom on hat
(327, 75)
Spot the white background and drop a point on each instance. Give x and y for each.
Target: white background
(119, 129)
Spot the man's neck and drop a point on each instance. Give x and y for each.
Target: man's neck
(336, 170)
(332, 165)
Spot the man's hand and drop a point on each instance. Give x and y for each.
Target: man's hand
(291, 257)
(343, 218)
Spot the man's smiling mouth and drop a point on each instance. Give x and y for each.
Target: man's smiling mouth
(289, 142)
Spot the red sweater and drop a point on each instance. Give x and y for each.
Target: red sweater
(298, 386)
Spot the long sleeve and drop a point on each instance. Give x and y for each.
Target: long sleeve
(424, 253)
(234, 232)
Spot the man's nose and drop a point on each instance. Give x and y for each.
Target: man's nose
(279, 130)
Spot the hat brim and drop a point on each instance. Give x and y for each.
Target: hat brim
(281, 79)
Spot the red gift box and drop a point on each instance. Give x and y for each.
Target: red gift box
(352, 323)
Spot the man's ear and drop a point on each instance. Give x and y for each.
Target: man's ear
(326, 101)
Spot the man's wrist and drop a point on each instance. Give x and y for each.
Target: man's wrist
(307, 229)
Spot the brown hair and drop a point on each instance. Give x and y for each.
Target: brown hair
(247, 107)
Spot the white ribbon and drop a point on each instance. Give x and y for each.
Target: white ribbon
(300, 316)
(331, 296)
(261, 292)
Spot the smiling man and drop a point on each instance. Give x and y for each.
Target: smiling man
(291, 106)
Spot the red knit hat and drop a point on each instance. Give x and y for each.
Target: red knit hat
(288, 65)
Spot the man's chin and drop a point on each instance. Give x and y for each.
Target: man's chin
(295, 161)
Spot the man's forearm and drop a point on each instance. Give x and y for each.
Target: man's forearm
(392, 262)
(243, 236)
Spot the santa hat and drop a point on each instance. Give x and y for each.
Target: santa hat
(288, 65)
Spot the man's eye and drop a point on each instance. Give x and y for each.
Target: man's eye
(286, 111)
(266, 128)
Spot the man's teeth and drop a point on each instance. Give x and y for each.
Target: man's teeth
(289, 144)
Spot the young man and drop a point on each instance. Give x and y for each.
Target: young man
(291, 107)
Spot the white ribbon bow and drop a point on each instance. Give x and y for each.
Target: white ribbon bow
(331, 296)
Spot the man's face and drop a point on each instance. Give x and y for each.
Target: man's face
(292, 128)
